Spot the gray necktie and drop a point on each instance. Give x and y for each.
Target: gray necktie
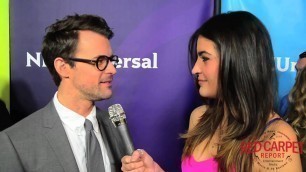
(93, 150)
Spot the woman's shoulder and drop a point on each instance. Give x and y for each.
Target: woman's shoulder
(280, 146)
(196, 114)
(282, 127)
(199, 110)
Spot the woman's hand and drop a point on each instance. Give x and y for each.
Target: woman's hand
(139, 161)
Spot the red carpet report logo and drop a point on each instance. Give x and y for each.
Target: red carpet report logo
(274, 152)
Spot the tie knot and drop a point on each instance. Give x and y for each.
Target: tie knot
(88, 125)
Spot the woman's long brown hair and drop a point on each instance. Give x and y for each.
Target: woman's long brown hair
(296, 115)
(246, 92)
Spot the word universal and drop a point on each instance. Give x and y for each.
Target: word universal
(125, 63)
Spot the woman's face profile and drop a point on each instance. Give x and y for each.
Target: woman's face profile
(207, 67)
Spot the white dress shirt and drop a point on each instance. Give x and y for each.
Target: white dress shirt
(74, 126)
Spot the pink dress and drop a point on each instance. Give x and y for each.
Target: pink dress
(189, 164)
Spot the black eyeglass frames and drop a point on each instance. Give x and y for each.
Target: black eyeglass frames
(101, 62)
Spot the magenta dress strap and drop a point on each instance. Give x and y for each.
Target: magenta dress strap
(271, 121)
(189, 164)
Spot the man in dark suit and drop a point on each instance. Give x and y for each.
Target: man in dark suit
(78, 54)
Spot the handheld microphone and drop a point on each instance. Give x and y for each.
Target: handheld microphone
(118, 118)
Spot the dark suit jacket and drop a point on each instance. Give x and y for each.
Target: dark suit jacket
(39, 143)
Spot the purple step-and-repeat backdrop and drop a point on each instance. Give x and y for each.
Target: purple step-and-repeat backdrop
(153, 82)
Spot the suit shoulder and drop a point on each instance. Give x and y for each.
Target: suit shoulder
(28, 125)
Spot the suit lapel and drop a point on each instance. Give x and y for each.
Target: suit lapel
(56, 135)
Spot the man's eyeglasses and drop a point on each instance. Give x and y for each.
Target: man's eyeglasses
(101, 62)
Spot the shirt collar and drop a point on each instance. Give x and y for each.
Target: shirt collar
(73, 120)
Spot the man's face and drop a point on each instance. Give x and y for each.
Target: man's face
(301, 63)
(89, 82)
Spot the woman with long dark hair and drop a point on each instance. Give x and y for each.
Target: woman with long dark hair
(233, 64)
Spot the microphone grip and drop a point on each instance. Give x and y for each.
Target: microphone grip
(127, 141)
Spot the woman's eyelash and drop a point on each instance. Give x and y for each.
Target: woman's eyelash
(204, 58)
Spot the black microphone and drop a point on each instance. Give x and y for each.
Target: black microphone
(118, 118)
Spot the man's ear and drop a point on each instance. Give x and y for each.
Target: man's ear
(62, 67)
